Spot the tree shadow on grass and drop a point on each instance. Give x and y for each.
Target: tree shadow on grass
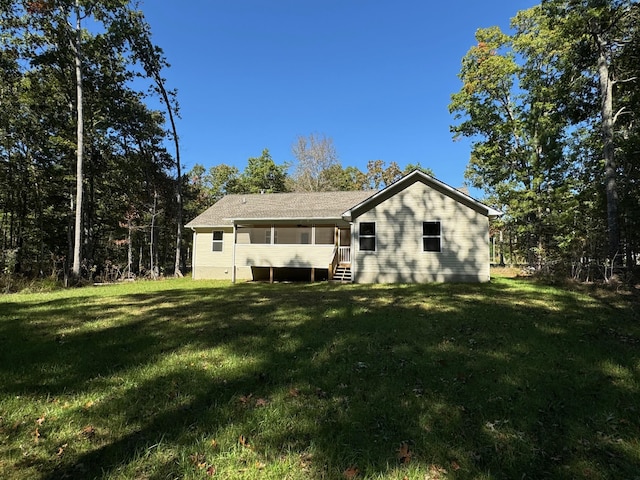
(489, 380)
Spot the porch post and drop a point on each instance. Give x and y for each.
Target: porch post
(353, 249)
(270, 274)
(194, 273)
(313, 274)
(233, 256)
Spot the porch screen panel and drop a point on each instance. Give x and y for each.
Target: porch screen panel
(325, 235)
(298, 235)
(259, 235)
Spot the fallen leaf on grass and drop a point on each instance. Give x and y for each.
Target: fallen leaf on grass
(305, 460)
(89, 404)
(211, 471)
(199, 460)
(245, 399)
(261, 402)
(454, 465)
(294, 392)
(213, 443)
(244, 441)
(260, 465)
(88, 432)
(61, 449)
(40, 421)
(36, 435)
(435, 472)
(404, 454)
(351, 472)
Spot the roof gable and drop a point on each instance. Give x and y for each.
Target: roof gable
(409, 179)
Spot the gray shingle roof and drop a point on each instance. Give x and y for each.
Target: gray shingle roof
(279, 206)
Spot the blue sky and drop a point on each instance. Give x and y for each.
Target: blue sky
(376, 76)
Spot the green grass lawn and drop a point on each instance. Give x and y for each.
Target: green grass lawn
(193, 379)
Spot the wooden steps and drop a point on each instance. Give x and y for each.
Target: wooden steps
(342, 274)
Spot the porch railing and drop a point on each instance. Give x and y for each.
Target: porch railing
(344, 255)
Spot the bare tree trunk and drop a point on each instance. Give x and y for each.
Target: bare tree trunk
(152, 237)
(129, 249)
(152, 60)
(80, 146)
(608, 148)
(178, 263)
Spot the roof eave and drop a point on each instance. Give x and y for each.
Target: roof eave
(493, 213)
(208, 225)
(287, 219)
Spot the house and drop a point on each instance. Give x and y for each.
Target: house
(415, 230)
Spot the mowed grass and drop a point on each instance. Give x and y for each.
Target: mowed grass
(195, 379)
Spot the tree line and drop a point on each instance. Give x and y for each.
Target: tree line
(552, 111)
(316, 167)
(90, 174)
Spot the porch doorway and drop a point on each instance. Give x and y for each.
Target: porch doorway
(344, 246)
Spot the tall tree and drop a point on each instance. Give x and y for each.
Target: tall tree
(76, 47)
(315, 156)
(64, 19)
(153, 61)
(509, 110)
(601, 32)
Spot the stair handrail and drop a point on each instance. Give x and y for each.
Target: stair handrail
(334, 262)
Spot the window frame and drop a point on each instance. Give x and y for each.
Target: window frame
(367, 236)
(427, 236)
(219, 241)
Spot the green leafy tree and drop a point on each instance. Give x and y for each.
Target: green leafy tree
(509, 110)
(410, 167)
(380, 175)
(262, 174)
(602, 34)
(344, 179)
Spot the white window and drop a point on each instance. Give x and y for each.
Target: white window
(216, 245)
(431, 237)
(367, 236)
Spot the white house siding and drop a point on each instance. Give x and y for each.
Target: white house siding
(399, 255)
(207, 263)
(292, 256)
